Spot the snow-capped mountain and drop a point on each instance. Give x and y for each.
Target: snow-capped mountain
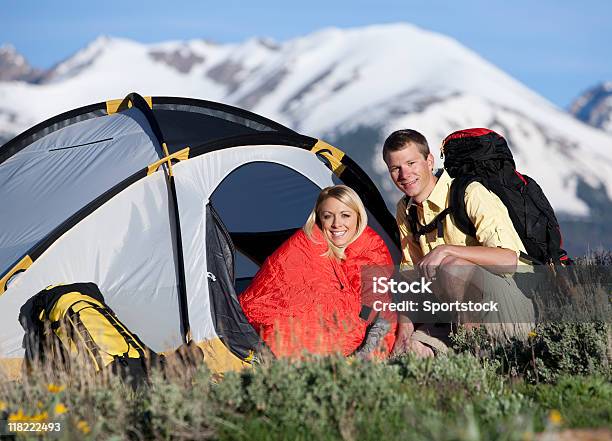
(350, 87)
(594, 106)
(13, 66)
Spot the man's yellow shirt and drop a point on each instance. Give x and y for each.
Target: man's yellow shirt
(487, 212)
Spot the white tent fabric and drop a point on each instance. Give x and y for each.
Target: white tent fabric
(52, 178)
(126, 248)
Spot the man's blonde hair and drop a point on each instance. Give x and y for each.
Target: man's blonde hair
(348, 197)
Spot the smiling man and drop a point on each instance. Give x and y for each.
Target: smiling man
(465, 268)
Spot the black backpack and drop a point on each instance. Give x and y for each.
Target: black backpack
(482, 155)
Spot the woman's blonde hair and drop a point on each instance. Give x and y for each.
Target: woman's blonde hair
(348, 197)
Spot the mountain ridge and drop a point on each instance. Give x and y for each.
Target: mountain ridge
(594, 106)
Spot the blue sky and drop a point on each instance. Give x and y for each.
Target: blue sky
(557, 48)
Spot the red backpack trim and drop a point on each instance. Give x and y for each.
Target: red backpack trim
(520, 176)
(467, 133)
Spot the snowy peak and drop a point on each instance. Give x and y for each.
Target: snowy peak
(332, 68)
(14, 66)
(102, 47)
(594, 106)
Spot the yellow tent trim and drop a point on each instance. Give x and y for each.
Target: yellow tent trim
(113, 106)
(219, 358)
(181, 155)
(167, 153)
(23, 265)
(332, 154)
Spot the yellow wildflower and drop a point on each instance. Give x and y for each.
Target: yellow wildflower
(39, 417)
(20, 416)
(83, 427)
(55, 389)
(17, 417)
(39, 404)
(3, 406)
(554, 417)
(60, 409)
(532, 334)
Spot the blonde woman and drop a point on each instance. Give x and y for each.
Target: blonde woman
(307, 296)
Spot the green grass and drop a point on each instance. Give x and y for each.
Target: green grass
(459, 397)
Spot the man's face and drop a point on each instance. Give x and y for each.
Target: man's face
(411, 172)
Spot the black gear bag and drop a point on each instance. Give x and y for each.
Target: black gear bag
(482, 155)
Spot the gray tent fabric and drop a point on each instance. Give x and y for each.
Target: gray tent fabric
(51, 179)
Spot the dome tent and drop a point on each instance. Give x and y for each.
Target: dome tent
(169, 205)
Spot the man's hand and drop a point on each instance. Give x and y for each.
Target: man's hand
(404, 343)
(421, 350)
(430, 262)
(497, 260)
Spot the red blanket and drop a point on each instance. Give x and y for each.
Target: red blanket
(301, 301)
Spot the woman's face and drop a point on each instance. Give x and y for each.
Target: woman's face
(338, 221)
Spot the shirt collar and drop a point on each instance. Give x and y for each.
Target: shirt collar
(438, 195)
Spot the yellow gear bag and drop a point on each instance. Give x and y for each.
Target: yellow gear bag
(86, 327)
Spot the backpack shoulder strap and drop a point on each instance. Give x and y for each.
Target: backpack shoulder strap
(457, 204)
(413, 223)
(131, 339)
(437, 223)
(418, 230)
(81, 332)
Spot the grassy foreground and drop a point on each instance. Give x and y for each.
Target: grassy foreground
(549, 387)
(459, 397)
